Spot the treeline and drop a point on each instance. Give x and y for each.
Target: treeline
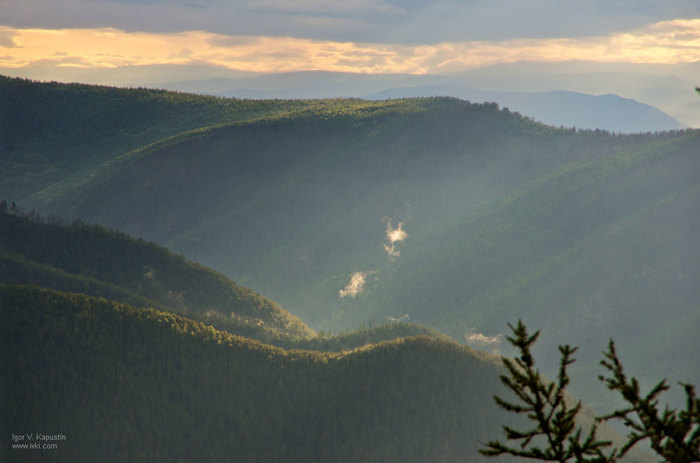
(125, 384)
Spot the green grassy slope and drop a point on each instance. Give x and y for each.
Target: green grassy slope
(145, 385)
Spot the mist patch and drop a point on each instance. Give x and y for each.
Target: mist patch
(394, 235)
(355, 286)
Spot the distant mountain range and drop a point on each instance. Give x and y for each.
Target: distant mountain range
(669, 88)
(567, 108)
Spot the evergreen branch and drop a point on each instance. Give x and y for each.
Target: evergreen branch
(544, 403)
(673, 435)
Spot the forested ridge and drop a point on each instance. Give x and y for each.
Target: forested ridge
(61, 135)
(136, 380)
(146, 385)
(57, 131)
(133, 380)
(94, 260)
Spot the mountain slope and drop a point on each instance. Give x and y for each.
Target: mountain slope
(145, 385)
(258, 200)
(593, 251)
(319, 217)
(61, 133)
(100, 262)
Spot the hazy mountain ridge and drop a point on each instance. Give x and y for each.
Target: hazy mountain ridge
(562, 107)
(666, 87)
(568, 109)
(97, 262)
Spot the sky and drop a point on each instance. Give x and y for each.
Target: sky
(365, 36)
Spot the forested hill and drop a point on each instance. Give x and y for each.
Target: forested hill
(460, 216)
(60, 136)
(100, 262)
(124, 384)
(113, 383)
(55, 134)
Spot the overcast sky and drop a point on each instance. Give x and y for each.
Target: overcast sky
(351, 35)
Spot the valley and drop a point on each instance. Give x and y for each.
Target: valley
(359, 258)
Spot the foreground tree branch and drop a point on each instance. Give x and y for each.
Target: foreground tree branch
(555, 436)
(673, 434)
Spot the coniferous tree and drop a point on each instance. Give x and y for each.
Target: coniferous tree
(555, 435)
(673, 434)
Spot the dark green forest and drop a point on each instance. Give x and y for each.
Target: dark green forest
(96, 261)
(126, 384)
(115, 337)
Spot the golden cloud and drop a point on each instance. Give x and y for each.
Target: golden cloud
(664, 42)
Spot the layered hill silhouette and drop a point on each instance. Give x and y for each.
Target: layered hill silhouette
(461, 216)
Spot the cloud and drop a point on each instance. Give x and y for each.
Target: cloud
(394, 22)
(480, 338)
(394, 235)
(355, 286)
(483, 342)
(7, 39)
(328, 7)
(226, 41)
(186, 53)
(675, 41)
(357, 282)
